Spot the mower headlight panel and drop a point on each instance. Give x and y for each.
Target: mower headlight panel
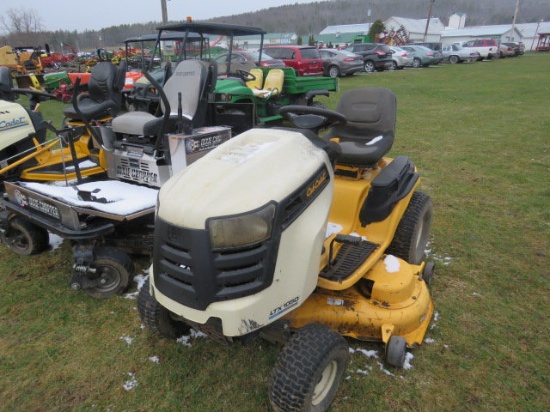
(242, 230)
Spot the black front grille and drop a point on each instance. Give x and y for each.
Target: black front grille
(187, 270)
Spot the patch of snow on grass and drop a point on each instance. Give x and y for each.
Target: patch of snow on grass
(383, 369)
(131, 383)
(154, 359)
(408, 358)
(140, 280)
(368, 353)
(184, 339)
(55, 241)
(127, 339)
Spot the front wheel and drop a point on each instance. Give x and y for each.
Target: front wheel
(396, 351)
(369, 66)
(26, 238)
(453, 59)
(112, 273)
(309, 370)
(156, 317)
(392, 66)
(417, 63)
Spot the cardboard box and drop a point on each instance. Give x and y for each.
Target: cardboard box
(185, 149)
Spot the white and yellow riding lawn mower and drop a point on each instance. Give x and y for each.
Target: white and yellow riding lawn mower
(301, 240)
(76, 151)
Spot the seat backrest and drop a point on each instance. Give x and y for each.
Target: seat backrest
(369, 133)
(190, 79)
(369, 111)
(101, 85)
(274, 81)
(258, 79)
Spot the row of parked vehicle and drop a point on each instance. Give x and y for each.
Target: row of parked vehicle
(371, 57)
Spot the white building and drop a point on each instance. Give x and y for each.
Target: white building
(530, 33)
(501, 33)
(457, 21)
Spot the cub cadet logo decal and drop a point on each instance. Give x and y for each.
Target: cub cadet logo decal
(36, 204)
(317, 184)
(279, 310)
(13, 124)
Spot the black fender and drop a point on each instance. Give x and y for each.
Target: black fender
(390, 186)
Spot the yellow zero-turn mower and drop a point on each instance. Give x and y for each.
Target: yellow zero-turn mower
(298, 239)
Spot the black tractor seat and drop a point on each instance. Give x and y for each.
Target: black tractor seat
(104, 96)
(369, 132)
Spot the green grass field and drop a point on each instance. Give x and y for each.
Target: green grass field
(479, 134)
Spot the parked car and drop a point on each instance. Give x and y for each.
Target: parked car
(487, 48)
(508, 50)
(421, 56)
(376, 56)
(400, 58)
(305, 60)
(435, 46)
(338, 63)
(521, 47)
(246, 60)
(455, 53)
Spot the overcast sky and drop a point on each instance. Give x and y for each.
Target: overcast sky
(95, 14)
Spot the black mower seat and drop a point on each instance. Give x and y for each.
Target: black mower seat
(185, 89)
(369, 133)
(104, 95)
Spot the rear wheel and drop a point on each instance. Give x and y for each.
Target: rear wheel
(309, 370)
(333, 71)
(26, 238)
(113, 268)
(369, 66)
(411, 236)
(156, 317)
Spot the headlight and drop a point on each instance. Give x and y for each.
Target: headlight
(242, 230)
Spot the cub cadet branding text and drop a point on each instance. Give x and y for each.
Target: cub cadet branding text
(313, 188)
(12, 124)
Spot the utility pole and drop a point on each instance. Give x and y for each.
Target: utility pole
(535, 35)
(164, 11)
(514, 20)
(429, 18)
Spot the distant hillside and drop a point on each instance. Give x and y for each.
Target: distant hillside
(304, 19)
(314, 17)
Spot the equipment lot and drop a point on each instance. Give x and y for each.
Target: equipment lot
(487, 349)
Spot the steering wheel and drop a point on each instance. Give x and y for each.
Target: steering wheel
(244, 75)
(311, 117)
